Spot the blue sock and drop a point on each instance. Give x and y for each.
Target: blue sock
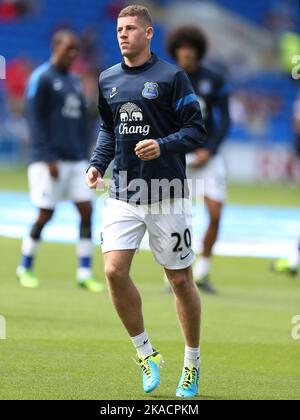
(27, 262)
(85, 254)
(85, 262)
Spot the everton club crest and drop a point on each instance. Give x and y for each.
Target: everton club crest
(150, 90)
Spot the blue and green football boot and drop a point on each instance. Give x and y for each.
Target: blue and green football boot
(92, 285)
(27, 279)
(189, 383)
(150, 371)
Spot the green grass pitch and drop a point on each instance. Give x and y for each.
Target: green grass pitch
(65, 343)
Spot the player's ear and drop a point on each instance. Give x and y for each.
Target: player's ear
(149, 33)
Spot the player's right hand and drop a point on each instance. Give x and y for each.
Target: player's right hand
(53, 169)
(94, 179)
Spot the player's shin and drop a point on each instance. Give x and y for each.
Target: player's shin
(29, 250)
(25, 270)
(188, 306)
(85, 276)
(85, 250)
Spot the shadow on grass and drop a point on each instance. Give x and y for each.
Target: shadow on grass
(171, 398)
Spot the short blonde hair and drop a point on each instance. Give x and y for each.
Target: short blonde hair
(139, 11)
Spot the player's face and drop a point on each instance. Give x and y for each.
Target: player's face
(67, 51)
(133, 36)
(186, 57)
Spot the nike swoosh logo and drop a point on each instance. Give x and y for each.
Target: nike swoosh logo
(113, 95)
(184, 258)
(145, 342)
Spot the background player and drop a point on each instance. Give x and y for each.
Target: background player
(291, 265)
(288, 265)
(188, 46)
(140, 100)
(58, 155)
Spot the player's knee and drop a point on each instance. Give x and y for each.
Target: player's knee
(180, 280)
(114, 273)
(44, 217)
(86, 214)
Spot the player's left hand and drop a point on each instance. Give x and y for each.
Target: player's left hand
(202, 158)
(148, 150)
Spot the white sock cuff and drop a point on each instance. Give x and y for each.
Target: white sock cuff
(83, 274)
(85, 248)
(192, 357)
(202, 267)
(193, 352)
(205, 261)
(139, 340)
(29, 246)
(142, 345)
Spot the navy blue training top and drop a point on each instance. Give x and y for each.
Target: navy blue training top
(213, 93)
(55, 110)
(153, 101)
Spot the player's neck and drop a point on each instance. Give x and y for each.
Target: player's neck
(192, 68)
(139, 60)
(57, 65)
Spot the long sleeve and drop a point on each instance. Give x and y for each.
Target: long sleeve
(297, 144)
(223, 122)
(37, 109)
(104, 152)
(192, 133)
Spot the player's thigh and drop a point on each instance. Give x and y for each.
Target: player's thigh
(77, 189)
(123, 227)
(45, 191)
(170, 236)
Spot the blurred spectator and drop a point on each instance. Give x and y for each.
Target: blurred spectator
(8, 11)
(26, 7)
(11, 10)
(90, 57)
(289, 47)
(255, 111)
(297, 123)
(89, 66)
(282, 16)
(114, 7)
(284, 21)
(18, 72)
(90, 89)
(14, 133)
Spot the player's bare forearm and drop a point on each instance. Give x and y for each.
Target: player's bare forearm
(148, 150)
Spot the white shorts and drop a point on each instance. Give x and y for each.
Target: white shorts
(170, 233)
(214, 177)
(47, 192)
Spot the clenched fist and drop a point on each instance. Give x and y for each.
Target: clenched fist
(148, 150)
(94, 179)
